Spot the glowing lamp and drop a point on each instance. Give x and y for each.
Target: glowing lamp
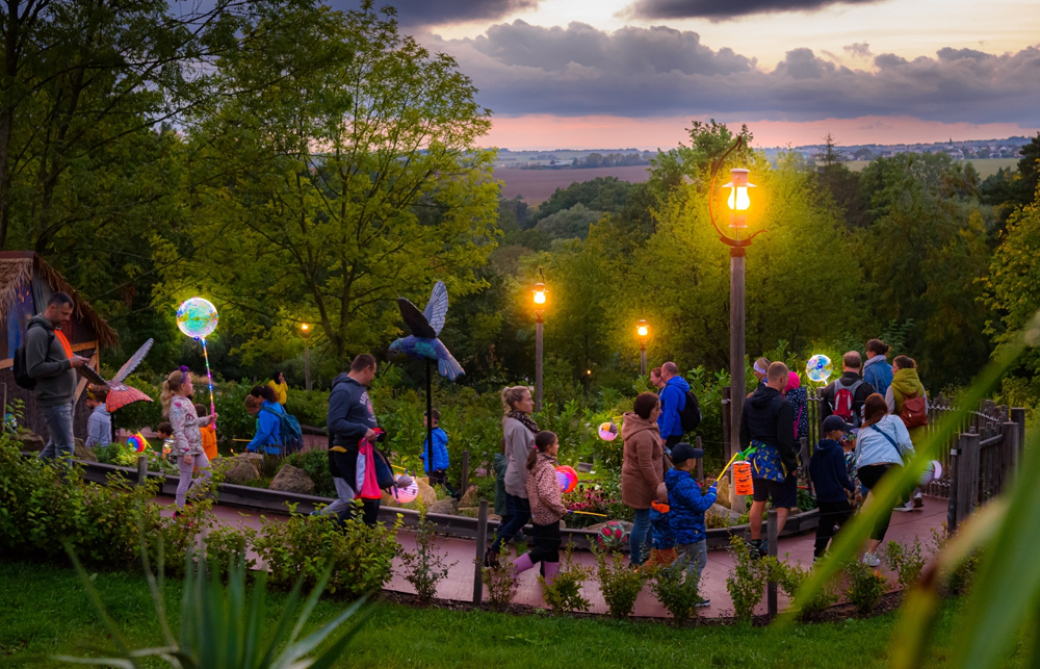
(539, 294)
(305, 328)
(642, 329)
(738, 201)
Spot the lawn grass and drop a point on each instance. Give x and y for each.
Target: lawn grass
(44, 610)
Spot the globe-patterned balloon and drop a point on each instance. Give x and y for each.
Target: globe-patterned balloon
(612, 536)
(197, 317)
(608, 431)
(819, 369)
(406, 490)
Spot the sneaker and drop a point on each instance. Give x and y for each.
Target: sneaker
(491, 560)
(909, 506)
(918, 502)
(703, 604)
(871, 560)
(758, 548)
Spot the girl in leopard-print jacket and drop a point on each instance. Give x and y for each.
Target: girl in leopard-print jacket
(543, 491)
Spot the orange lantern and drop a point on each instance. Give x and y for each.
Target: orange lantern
(742, 478)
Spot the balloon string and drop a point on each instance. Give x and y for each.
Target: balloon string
(209, 378)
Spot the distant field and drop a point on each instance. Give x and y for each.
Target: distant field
(537, 185)
(986, 167)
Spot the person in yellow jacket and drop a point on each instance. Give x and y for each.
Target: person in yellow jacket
(906, 384)
(281, 390)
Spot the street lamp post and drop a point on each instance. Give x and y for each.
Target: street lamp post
(738, 240)
(642, 331)
(540, 299)
(305, 330)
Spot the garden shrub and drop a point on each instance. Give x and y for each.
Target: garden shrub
(619, 584)
(228, 546)
(790, 578)
(959, 582)
(499, 582)
(361, 557)
(678, 594)
(564, 593)
(425, 567)
(316, 465)
(906, 560)
(746, 583)
(865, 586)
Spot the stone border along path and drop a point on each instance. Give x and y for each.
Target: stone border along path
(458, 586)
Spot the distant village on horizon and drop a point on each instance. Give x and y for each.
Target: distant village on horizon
(978, 149)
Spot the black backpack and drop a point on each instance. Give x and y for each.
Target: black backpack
(690, 416)
(21, 369)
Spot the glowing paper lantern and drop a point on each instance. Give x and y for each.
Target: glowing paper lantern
(197, 317)
(406, 489)
(819, 369)
(567, 478)
(612, 536)
(608, 431)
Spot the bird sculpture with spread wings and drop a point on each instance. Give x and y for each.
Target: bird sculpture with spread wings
(425, 327)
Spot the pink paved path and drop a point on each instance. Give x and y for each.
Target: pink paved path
(459, 584)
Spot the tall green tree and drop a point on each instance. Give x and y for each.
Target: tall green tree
(342, 174)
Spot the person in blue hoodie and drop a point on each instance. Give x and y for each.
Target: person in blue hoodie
(686, 507)
(830, 478)
(673, 401)
(268, 423)
(876, 370)
(99, 425)
(437, 452)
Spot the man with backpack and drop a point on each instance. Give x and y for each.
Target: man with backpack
(844, 397)
(351, 421)
(680, 411)
(46, 365)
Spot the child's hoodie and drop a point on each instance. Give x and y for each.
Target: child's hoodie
(828, 471)
(661, 536)
(687, 506)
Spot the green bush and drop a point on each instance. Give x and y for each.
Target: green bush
(499, 582)
(316, 464)
(302, 547)
(746, 583)
(619, 584)
(678, 594)
(425, 568)
(906, 560)
(790, 578)
(228, 546)
(865, 586)
(564, 593)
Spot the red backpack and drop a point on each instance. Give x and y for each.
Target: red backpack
(844, 397)
(914, 412)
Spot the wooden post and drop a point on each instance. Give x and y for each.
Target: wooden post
(142, 469)
(967, 475)
(953, 472)
(478, 573)
(773, 536)
(699, 443)
(465, 473)
(1018, 416)
(1009, 455)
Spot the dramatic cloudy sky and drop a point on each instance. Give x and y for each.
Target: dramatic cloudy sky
(633, 73)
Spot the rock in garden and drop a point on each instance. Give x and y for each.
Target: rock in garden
(292, 479)
(443, 506)
(242, 471)
(722, 499)
(427, 494)
(29, 441)
(470, 498)
(84, 453)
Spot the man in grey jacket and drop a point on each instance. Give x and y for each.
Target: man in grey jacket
(49, 360)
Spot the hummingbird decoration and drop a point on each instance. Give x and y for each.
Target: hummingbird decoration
(425, 327)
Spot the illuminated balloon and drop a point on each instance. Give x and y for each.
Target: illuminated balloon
(197, 317)
(567, 478)
(612, 536)
(137, 442)
(406, 489)
(818, 368)
(608, 431)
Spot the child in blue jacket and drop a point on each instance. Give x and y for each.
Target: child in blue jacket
(830, 478)
(437, 467)
(687, 507)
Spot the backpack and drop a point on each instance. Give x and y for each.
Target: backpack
(292, 435)
(844, 397)
(914, 412)
(690, 416)
(21, 369)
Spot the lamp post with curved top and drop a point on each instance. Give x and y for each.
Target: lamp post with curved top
(642, 333)
(540, 297)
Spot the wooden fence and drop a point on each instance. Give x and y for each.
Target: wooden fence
(976, 465)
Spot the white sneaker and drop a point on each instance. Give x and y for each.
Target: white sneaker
(871, 560)
(909, 506)
(703, 604)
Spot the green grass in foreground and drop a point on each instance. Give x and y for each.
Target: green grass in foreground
(43, 610)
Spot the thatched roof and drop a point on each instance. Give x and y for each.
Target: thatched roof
(17, 267)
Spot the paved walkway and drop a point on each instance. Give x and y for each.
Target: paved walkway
(459, 584)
